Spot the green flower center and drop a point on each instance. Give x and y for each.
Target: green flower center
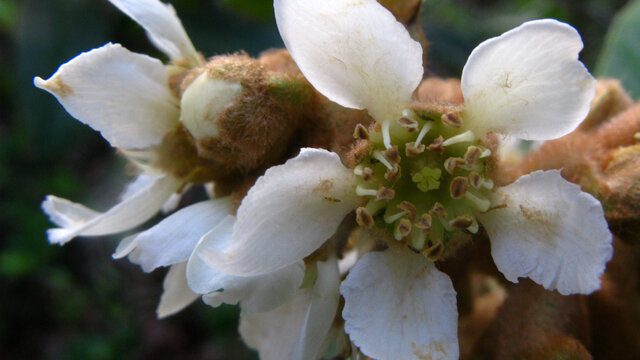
(423, 178)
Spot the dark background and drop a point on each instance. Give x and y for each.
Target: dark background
(75, 302)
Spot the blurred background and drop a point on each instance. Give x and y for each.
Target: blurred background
(75, 302)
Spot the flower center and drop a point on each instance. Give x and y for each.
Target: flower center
(423, 178)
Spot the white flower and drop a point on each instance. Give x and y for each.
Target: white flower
(527, 83)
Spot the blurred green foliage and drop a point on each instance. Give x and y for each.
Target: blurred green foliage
(620, 57)
(75, 302)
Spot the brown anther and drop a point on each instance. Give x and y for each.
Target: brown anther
(403, 228)
(361, 132)
(438, 210)
(472, 155)
(453, 164)
(394, 174)
(385, 193)
(475, 179)
(437, 145)
(411, 150)
(459, 186)
(408, 123)
(393, 155)
(461, 222)
(425, 222)
(367, 174)
(434, 251)
(409, 209)
(363, 218)
(452, 119)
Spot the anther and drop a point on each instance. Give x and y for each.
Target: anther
(461, 222)
(425, 222)
(360, 191)
(475, 179)
(438, 210)
(482, 204)
(452, 119)
(434, 252)
(452, 164)
(385, 193)
(472, 155)
(361, 132)
(378, 155)
(413, 150)
(410, 124)
(392, 155)
(409, 209)
(367, 174)
(386, 134)
(402, 229)
(437, 145)
(363, 218)
(393, 174)
(467, 136)
(459, 186)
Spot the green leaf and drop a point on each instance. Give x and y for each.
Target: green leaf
(620, 57)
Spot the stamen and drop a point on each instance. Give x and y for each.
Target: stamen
(459, 186)
(438, 210)
(361, 132)
(487, 184)
(365, 192)
(385, 193)
(437, 145)
(393, 218)
(410, 124)
(474, 227)
(358, 170)
(425, 222)
(434, 252)
(409, 209)
(363, 218)
(367, 174)
(418, 240)
(482, 204)
(380, 157)
(393, 155)
(453, 164)
(403, 228)
(411, 150)
(475, 179)
(467, 136)
(472, 155)
(452, 119)
(386, 135)
(461, 222)
(393, 174)
(486, 153)
(423, 132)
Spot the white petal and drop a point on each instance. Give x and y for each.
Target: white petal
(123, 95)
(353, 52)
(176, 295)
(78, 220)
(296, 330)
(551, 232)
(528, 82)
(399, 306)
(163, 27)
(254, 293)
(173, 239)
(289, 213)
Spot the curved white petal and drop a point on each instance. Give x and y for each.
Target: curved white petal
(289, 213)
(176, 294)
(353, 52)
(163, 27)
(173, 239)
(549, 231)
(77, 220)
(123, 95)
(528, 82)
(399, 306)
(296, 330)
(254, 293)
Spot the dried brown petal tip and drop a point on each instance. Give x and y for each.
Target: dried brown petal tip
(459, 186)
(403, 228)
(363, 218)
(411, 150)
(437, 145)
(409, 209)
(452, 119)
(425, 222)
(435, 251)
(385, 193)
(461, 222)
(367, 174)
(394, 174)
(393, 155)
(361, 132)
(408, 123)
